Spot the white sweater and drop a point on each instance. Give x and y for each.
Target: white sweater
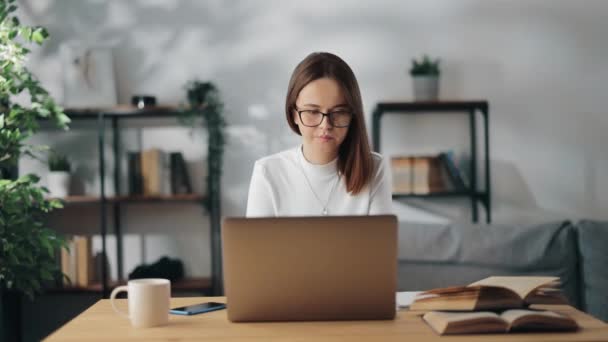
(279, 187)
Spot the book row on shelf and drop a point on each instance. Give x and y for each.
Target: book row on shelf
(78, 264)
(81, 267)
(426, 174)
(154, 172)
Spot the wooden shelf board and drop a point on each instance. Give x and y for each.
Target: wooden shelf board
(134, 199)
(440, 194)
(186, 284)
(442, 105)
(123, 111)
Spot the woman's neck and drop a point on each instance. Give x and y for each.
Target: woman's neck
(318, 157)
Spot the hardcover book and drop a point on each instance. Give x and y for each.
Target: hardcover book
(493, 293)
(447, 323)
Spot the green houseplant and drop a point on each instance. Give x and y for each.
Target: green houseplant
(425, 74)
(27, 247)
(204, 101)
(58, 178)
(58, 162)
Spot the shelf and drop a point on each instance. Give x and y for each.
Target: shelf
(108, 120)
(186, 284)
(469, 107)
(124, 111)
(444, 105)
(441, 194)
(133, 199)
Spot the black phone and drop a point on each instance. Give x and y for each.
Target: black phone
(197, 308)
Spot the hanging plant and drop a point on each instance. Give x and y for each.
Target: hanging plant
(27, 247)
(204, 102)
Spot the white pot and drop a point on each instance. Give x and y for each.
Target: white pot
(58, 183)
(426, 88)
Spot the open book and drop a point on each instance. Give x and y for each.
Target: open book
(492, 293)
(445, 323)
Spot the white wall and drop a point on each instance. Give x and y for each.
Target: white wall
(540, 64)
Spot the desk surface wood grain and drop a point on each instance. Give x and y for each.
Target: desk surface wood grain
(100, 323)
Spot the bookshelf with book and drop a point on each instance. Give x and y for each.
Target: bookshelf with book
(438, 176)
(430, 175)
(153, 176)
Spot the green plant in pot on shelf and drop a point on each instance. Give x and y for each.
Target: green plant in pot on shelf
(425, 74)
(204, 102)
(58, 179)
(28, 248)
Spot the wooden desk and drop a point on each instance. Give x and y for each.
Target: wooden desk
(100, 323)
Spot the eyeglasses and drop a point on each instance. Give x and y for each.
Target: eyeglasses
(313, 117)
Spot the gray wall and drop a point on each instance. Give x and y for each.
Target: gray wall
(539, 63)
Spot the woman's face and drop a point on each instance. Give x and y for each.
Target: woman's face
(324, 95)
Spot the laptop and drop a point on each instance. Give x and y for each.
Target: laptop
(310, 268)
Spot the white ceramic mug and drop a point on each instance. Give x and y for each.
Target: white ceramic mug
(148, 301)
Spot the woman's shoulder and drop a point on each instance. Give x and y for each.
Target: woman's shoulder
(378, 160)
(284, 158)
(379, 165)
(377, 157)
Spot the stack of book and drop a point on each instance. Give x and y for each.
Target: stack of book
(425, 174)
(494, 305)
(77, 262)
(154, 172)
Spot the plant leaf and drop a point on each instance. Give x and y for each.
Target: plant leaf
(39, 35)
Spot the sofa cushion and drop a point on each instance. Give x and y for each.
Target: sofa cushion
(592, 242)
(457, 254)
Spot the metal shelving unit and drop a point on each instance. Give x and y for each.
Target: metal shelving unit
(212, 286)
(476, 195)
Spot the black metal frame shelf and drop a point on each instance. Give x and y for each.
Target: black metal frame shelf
(76, 200)
(185, 284)
(448, 107)
(115, 115)
(440, 194)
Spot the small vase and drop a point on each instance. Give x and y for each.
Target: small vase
(426, 88)
(58, 183)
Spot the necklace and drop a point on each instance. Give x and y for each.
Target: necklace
(324, 207)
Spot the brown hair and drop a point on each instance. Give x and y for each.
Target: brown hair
(354, 156)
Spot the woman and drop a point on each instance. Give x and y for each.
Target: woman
(333, 171)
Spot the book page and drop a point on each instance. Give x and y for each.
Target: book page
(451, 298)
(521, 285)
(465, 322)
(546, 297)
(447, 304)
(538, 320)
(493, 297)
(461, 316)
(451, 290)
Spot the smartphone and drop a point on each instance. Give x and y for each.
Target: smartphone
(197, 308)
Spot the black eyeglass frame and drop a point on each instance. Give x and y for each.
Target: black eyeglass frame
(328, 115)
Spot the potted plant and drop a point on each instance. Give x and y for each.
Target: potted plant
(425, 75)
(27, 247)
(58, 178)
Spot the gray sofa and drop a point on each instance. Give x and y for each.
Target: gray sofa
(433, 255)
